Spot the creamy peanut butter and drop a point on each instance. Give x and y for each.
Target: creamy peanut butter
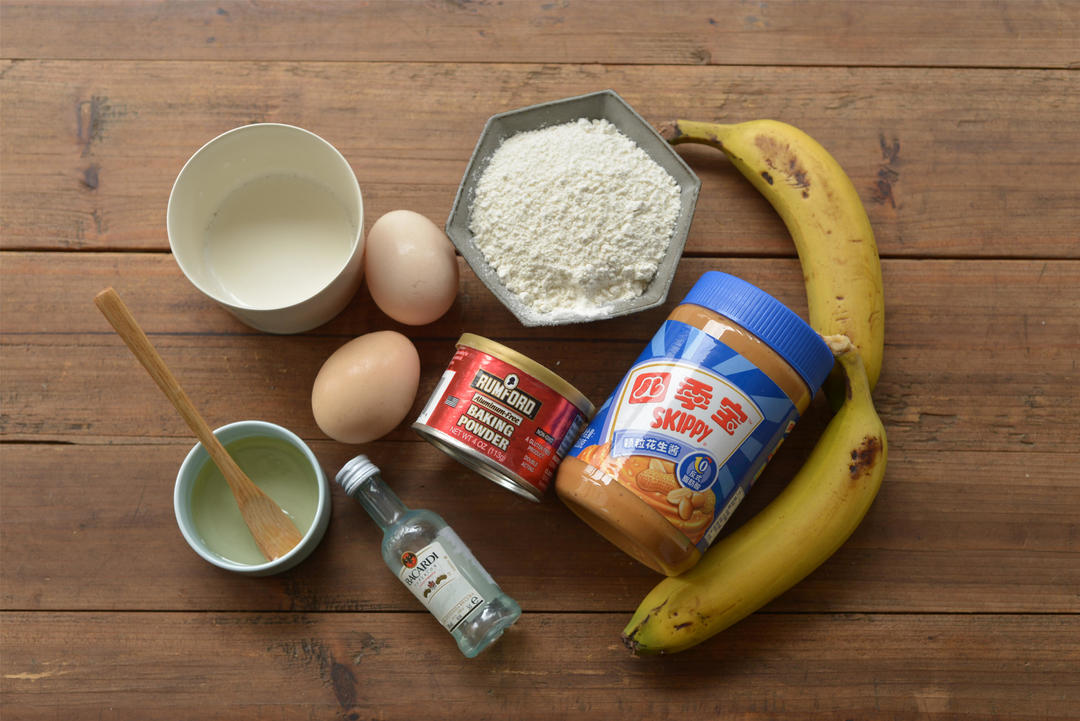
(676, 447)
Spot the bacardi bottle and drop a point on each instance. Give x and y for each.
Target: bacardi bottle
(429, 558)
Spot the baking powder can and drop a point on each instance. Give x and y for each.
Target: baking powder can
(503, 415)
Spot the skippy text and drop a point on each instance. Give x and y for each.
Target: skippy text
(691, 394)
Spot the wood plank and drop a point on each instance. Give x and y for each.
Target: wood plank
(950, 163)
(357, 665)
(996, 538)
(1013, 322)
(957, 598)
(939, 538)
(963, 33)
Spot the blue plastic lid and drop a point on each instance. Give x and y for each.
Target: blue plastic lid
(767, 318)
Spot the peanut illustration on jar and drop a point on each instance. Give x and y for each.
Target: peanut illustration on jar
(655, 482)
(693, 508)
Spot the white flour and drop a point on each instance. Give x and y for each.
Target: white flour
(573, 217)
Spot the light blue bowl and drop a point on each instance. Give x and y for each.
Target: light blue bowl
(193, 464)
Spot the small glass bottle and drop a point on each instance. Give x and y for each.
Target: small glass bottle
(429, 558)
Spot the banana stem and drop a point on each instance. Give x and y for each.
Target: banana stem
(692, 131)
(853, 371)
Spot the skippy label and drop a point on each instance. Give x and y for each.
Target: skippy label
(435, 580)
(689, 429)
(497, 412)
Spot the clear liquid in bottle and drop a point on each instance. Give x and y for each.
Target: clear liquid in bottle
(432, 562)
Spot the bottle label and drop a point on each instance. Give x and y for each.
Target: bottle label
(689, 429)
(435, 580)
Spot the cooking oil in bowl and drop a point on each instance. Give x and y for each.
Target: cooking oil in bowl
(279, 468)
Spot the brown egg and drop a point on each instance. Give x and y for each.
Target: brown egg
(366, 387)
(411, 268)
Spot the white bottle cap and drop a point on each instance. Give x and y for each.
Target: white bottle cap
(355, 472)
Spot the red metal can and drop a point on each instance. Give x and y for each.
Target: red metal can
(503, 415)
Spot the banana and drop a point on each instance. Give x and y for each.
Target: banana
(786, 540)
(826, 219)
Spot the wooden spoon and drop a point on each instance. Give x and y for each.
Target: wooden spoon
(274, 532)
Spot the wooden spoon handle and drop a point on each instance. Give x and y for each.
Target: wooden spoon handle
(273, 530)
(125, 325)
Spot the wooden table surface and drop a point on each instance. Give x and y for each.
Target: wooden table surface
(957, 598)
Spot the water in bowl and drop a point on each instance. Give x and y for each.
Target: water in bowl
(277, 240)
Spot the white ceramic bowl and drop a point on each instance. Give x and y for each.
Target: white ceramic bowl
(268, 220)
(189, 472)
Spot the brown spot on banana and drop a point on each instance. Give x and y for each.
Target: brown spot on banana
(864, 457)
(779, 156)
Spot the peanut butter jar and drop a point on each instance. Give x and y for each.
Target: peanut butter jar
(678, 444)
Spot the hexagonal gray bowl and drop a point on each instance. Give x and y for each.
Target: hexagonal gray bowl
(604, 104)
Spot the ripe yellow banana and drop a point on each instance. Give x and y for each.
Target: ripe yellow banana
(826, 219)
(786, 540)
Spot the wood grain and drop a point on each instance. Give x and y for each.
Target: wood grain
(957, 598)
(940, 538)
(1013, 324)
(970, 163)
(358, 665)
(964, 33)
